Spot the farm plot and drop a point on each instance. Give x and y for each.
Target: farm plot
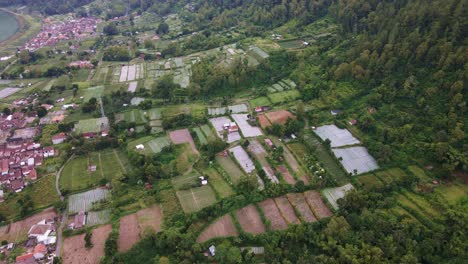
(84, 201)
(356, 160)
(201, 137)
(317, 204)
(390, 175)
(230, 167)
(154, 113)
(370, 181)
(224, 227)
(286, 174)
(136, 100)
(291, 160)
(250, 220)
(132, 86)
(283, 97)
(98, 217)
(4, 93)
(77, 175)
(74, 250)
(93, 92)
(232, 109)
(419, 173)
(279, 117)
(287, 211)
(263, 120)
(208, 132)
(299, 202)
(133, 227)
(260, 101)
(133, 116)
(291, 44)
(245, 127)
(18, 231)
(243, 159)
(93, 125)
(258, 53)
(183, 136)
(338, 137)
(131, 72)
(184, 181)
(195, 199)
(334, 194)
(218, 183)
(260, 154)
(273, 215)
(151, 145)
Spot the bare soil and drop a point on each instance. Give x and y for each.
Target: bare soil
(19, 230)
(287, 210)
(223, 227)
(286, 174)
(272, 214)
(250, 220)
(264, 122)
(74, 251)
(299, 202)
(279, 117)
(134, 226)
(182, 136)
(317, 205)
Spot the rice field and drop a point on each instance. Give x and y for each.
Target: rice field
(284, 97)
(230, 167)
(219, 184)
(84, 201)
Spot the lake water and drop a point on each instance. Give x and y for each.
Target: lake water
(8, 25)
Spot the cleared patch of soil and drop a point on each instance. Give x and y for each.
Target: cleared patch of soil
(317, 205)
(287, 210)
(182, 136)
(279, 117)
(223, 227)
(250, 220)
(286, 174)
(264, 122)
(75, 252)
(298, 201)
(272, 214)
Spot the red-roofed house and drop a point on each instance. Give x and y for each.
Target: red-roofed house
(49, 152)
(59, 138)
(40, 251)
(25, 259)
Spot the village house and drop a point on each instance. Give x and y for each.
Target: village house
(81, 64)
(40, 250)
(59, 138)
(231, 127)
(26, 259)
(43, 232)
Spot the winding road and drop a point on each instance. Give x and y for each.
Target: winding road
(64, 211)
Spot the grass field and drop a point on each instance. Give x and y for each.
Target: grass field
(283, 97)
(260, 101)
(291, 44)
(195, 199)
(42, 193)
(208, 132)
(91, 125)
(453, 193)
(219, 184)
(76, 176)
(152, 145)
(169, 203)
(196, 110)
(390, 175)
(421, 202)
(189, 179)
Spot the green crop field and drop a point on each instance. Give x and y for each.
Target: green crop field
(370, 181)
(230, 167)
(76, 176)
(201, 137)
(196, 110)
(419, 173)
(453, 193)
(154, 114)
(95, 92)
(260, 101)
(195, 199)
(390, 175)
(42, 193)
(182, 181)
(152, 145)
(91, 125)
(291, 44)
(422, 203)
(283, 97)
(133, 116)
(218, 183)
(210, 136)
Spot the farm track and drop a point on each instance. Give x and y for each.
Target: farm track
(120, 162)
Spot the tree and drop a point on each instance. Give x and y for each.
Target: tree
(247, 184)
(163, 28)
(24, 56)
(87, 239)
(148, 44)
(164, 87)
(226, 253)
(41, 112)
(6, 111)
(111, 29)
